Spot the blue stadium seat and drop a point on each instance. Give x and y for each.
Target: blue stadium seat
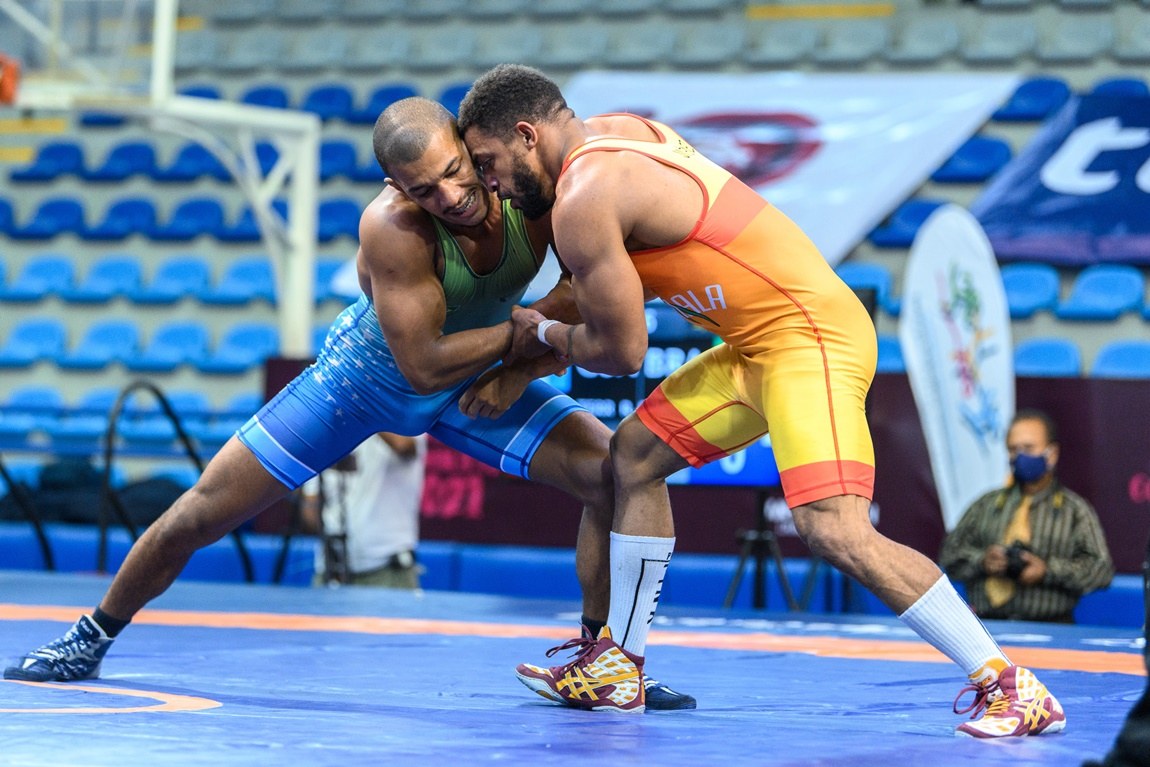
(110, 277)
(1122, 359)
(7, 216)
(131, 158)
(53, 160)
(43, 275)
(242, 406)
(201, 91)
(54, 216)
(33, 339)
(380, 99)
(1034, 100)
(900, 228)
(860, 275)
(325, 269)
(98, 401)
(244, 281)
(369, 172)
(1120, 86)
(1030, 288)
(74, 433)
(451, 95)
(1047, 357)
(124, 218)
(266, 156)
(182, 475)
(43, 403)
(266, 95)
(331, 101)
(176, 278)
(890, 359)
(245, 228)
(104, 342)
(979, 158)
(339, 217)
(192, 162)
(192, 218)
(176, 343)
(242, 347)
(1103, 292)
(337, 157)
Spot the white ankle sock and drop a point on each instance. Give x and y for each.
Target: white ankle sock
(941, 617)
(638, 564)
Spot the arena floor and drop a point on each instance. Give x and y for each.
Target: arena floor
(263, 675)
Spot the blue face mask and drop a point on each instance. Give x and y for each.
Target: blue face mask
(1028, 468)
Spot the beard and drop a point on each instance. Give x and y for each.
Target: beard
(532, 201)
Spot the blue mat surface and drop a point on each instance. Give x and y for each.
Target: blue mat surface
(262, 675)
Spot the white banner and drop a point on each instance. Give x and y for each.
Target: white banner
(836, 153)
(955, 334)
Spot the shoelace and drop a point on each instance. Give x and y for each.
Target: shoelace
(583, 647)
(65, 648)
(982, 695)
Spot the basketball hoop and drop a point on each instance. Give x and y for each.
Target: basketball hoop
(9, 79)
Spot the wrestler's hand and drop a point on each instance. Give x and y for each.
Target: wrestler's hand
(494, 392)
(525, 343)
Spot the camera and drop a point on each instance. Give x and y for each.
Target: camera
(1015, 564)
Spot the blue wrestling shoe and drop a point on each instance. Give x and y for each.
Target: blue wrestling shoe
(660, 697)
(71, 658)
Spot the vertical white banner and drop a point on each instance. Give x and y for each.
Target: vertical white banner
(955, 335)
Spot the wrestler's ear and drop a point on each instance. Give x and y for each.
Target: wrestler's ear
(528, 134)
(389, 181)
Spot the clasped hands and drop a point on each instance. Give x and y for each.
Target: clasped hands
(525, 341)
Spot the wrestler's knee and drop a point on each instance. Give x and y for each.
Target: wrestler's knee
(632, 448)
(835, 529)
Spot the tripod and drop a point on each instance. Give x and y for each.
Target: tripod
(760, 543)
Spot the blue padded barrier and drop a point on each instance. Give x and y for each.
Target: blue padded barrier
(520, 571)
(1121, 604)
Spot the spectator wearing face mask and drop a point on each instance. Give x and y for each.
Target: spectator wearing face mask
(1030, 550)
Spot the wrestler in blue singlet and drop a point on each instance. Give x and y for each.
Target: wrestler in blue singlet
(354, 388)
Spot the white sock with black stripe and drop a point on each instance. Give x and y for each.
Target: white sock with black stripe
(638, 564)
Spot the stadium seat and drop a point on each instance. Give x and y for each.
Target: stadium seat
(33, 339)
(244, 281)
(201, 91)
(175, 343)
(315, 50)
(979, 158)
(1047, 357)
(899, 230)
(241, 52)
(243, 11)
(329, 101)
(863, 275)
(75, 433)
(98, 401)
(192, 162)
(110, 277)
(54, 216)
(609, 8)
(337, 158)
(702, 7)
(357, 11)
(709, 43)
(339, 217)
(104, 342)
(568, 47)
(1000, 40)
(781, 44)
(53, 160)
(44, 404)
(7, 216)
(639, 44)
(439, 48)
(489, 10)
(853, 43)
(176, 278)
(451, 96)
(1074, 40)
(124, 218)
(1120, 86)
(305, 11)
(1123, 359)
(1030, 288)
(369, 172)
(242, 347)
(380, 99)
(196, 51)
(192, 218)
(1034, 100)
(1103, 292)
(325, 269)
(923, 41)
(372, 51)
(242, 405)
(557, 9)
(890, 359)
(43, 275)
(427, 10)
(245, 228)
(266, 156)
(131, 158)
(184, 476)
(266, 95)
(1132, 43)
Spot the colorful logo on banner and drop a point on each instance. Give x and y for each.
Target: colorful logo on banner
(1079, 193)
(955, 334)
(835, 152)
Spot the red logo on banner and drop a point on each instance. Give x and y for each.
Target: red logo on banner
(1139, 488)
(757, 148)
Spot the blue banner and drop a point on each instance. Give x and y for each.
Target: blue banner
(1079, 193)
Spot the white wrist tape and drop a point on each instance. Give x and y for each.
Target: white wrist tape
(541, 330)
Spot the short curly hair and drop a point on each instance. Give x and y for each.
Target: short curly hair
(507, 94)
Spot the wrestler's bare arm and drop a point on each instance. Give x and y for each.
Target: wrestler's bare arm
(397, 253)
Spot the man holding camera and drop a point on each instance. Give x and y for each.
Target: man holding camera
(1029, 551)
